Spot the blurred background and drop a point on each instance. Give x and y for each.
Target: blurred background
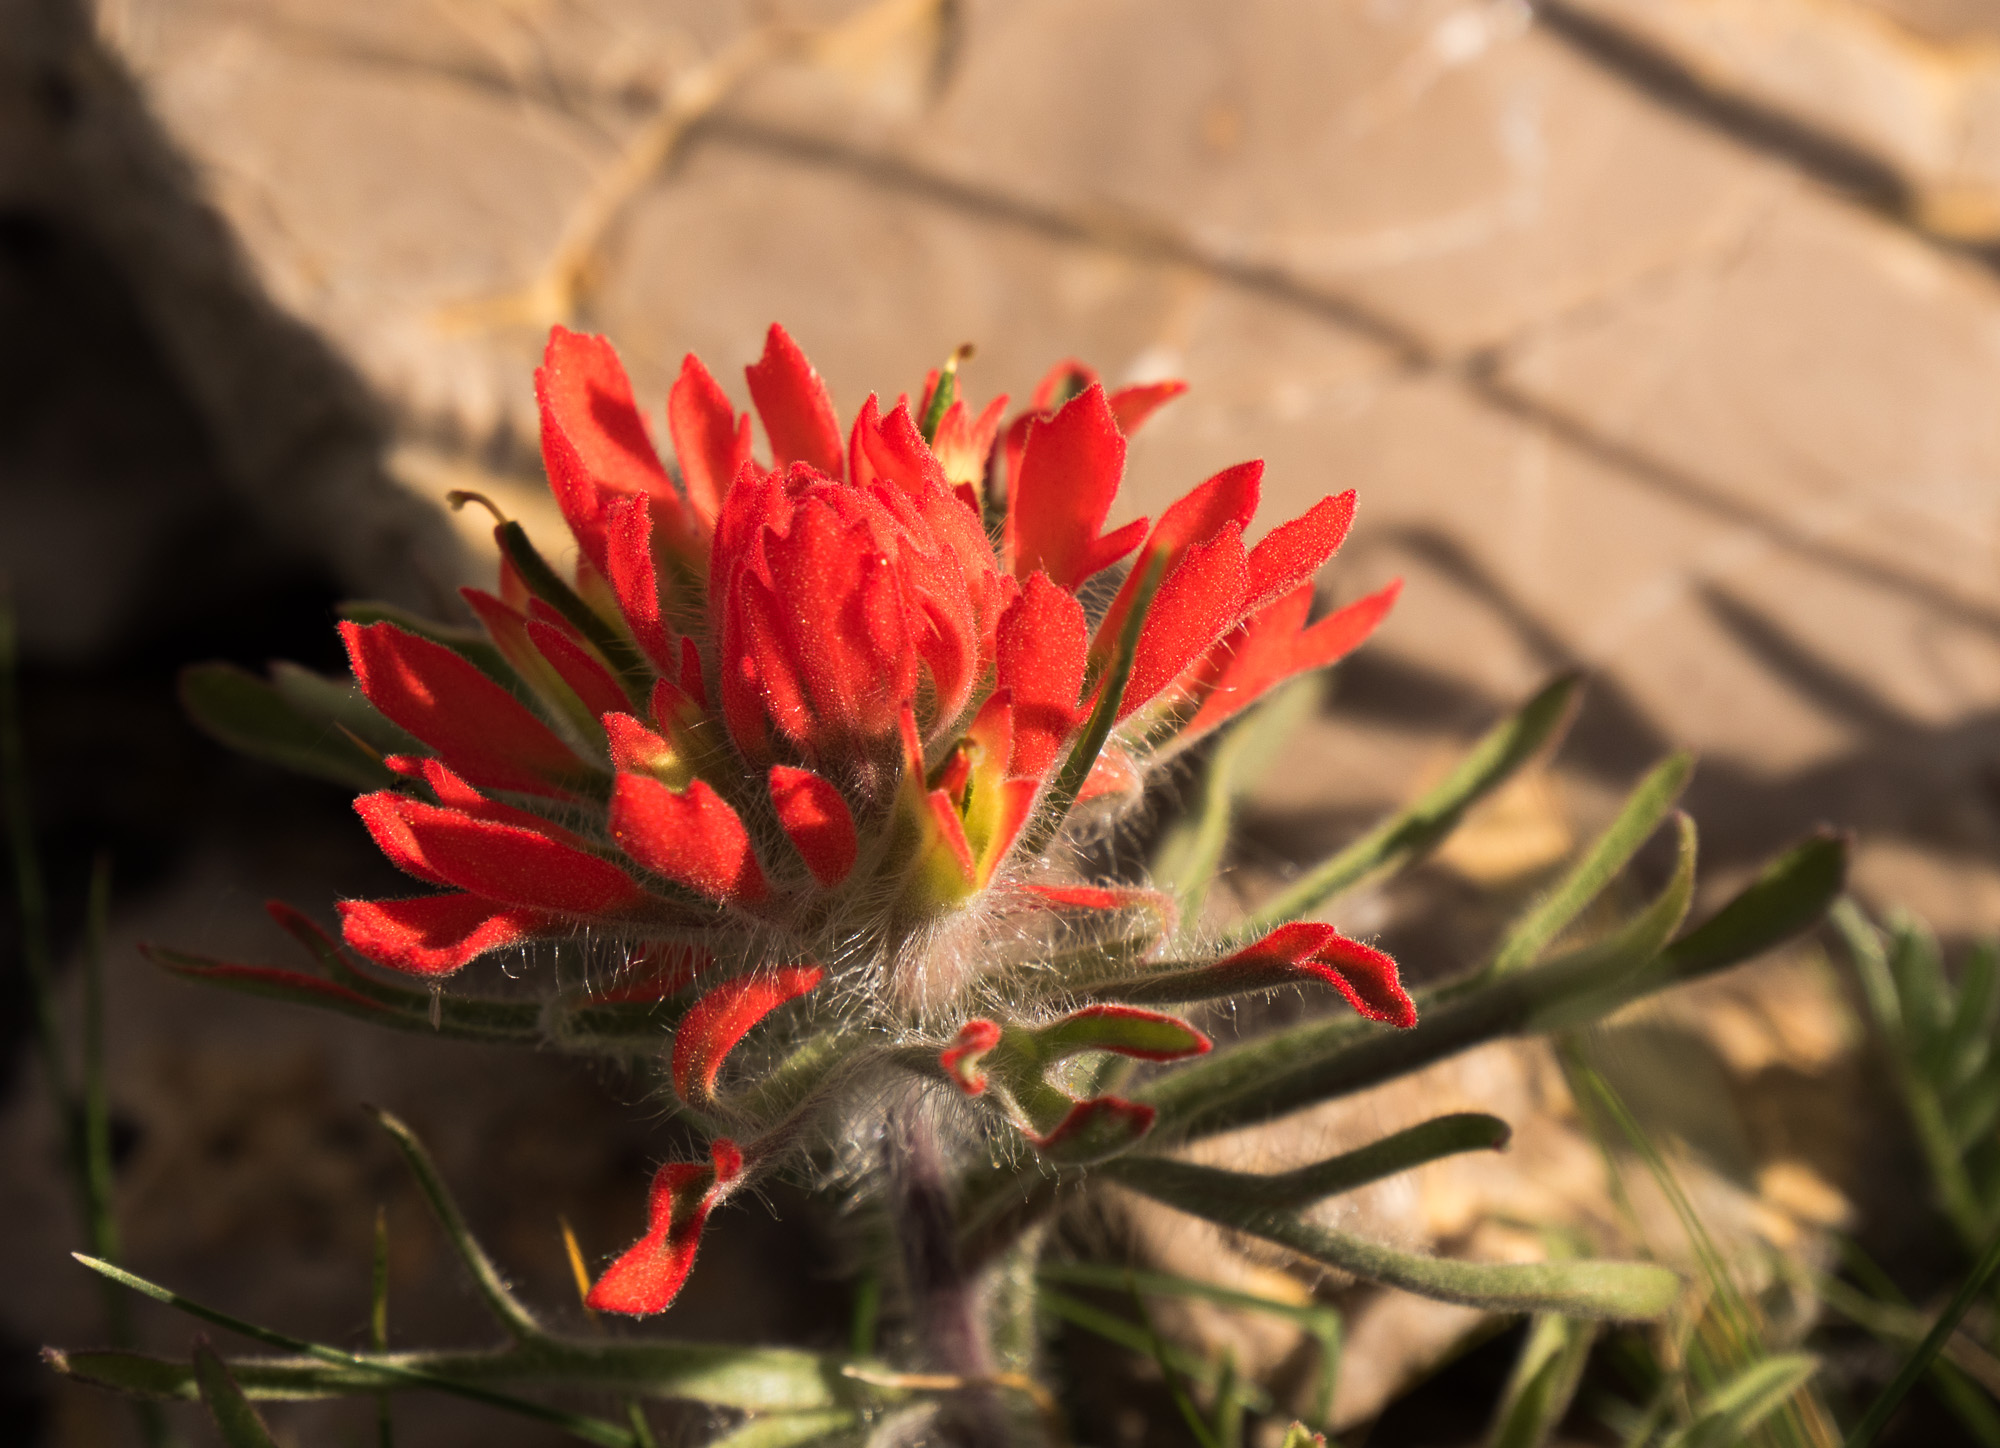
(1659, 337)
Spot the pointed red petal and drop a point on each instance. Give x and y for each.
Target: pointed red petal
(1096, 897)
(648, 1276)
(692, 838)
(716, 1022)
(635, 580)
(1096, 1129)
(1133, 405)
(1112, 772)
(1199, 517)
(500, 862)
(1070, 468)
(1270, 648)
(1293, 552)
(483, 732)
(635, 749)
(1367, 977)
(1043, 648)
(793, 404)
(435, 934)
(710, 442)
(594, 439)
(454, 793)
(817, 821)
(1201, 599)
(1068, 377)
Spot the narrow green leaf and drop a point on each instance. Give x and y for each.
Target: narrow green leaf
(98, 1175)
(1968, 1038)
(1732, 1412)
(1543, 1382)
(378, 1321)
(1926, 1352)
(250, 716)
(1871, 965)
(1061, 794)
(1126, 1334)
(1291, 1069)
(1625, 1291)
(1406, 836)
(789, 1430)
(755, 1379)
(1791, 895)
(499, 1298)
(1403, 1151)
(378, 1372)
(234, 1418)
(1641, 814)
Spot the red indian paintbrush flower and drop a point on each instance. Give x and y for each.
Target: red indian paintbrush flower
(803, 737)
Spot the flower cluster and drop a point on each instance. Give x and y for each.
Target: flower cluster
(822, 726)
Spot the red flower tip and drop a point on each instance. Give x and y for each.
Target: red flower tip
(1070, 468)
(692, 838)
(1367, 977)
(716, 1022)
(648, 1277)
(817, 821)
(793, 404)
(961, 1058)
(711, 443)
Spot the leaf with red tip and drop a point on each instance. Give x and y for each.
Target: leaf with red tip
(1294, 954)
(1114, 772)
(588, 679)
(968, 1048)
(1230, 497)
(1043, 649)
(648, 1276)
(1123, 1030)
(635, 749)
(1099, 897)
(1291, 553)
(816, 820)
(715, 1023)
(890, 449)
(711, 443)
(454, 793)
(1270, 647)
(1133, 405)
(507, 863)
(1070, 469)
(483, 732)
(1199, 601)
(692, 838)
(793, 405)
(1094, 1130)
(435, 935)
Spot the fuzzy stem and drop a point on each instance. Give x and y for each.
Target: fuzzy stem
(947, 1319)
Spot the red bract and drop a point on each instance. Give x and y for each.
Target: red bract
(806, 706)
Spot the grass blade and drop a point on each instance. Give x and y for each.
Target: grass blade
(378, 1321)
(1543, 1383)
(1920, 1360)
(1733, 1411)
(1641, 814)
(1404, 837)
(493, 1288)
(235, 1419)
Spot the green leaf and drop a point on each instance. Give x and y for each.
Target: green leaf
(1406, 836)
(1624, 1291)
(1642, 813)
(1968, 1037)
(1790, 896)
(1132, 1336)
(1403, 1151)
(234, 1418)
(1926, 1352)
(499, 1298)
(1731, 1413)
(788, 1430)
(1291, 1069)
(252, 717)
(1543, 1383)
